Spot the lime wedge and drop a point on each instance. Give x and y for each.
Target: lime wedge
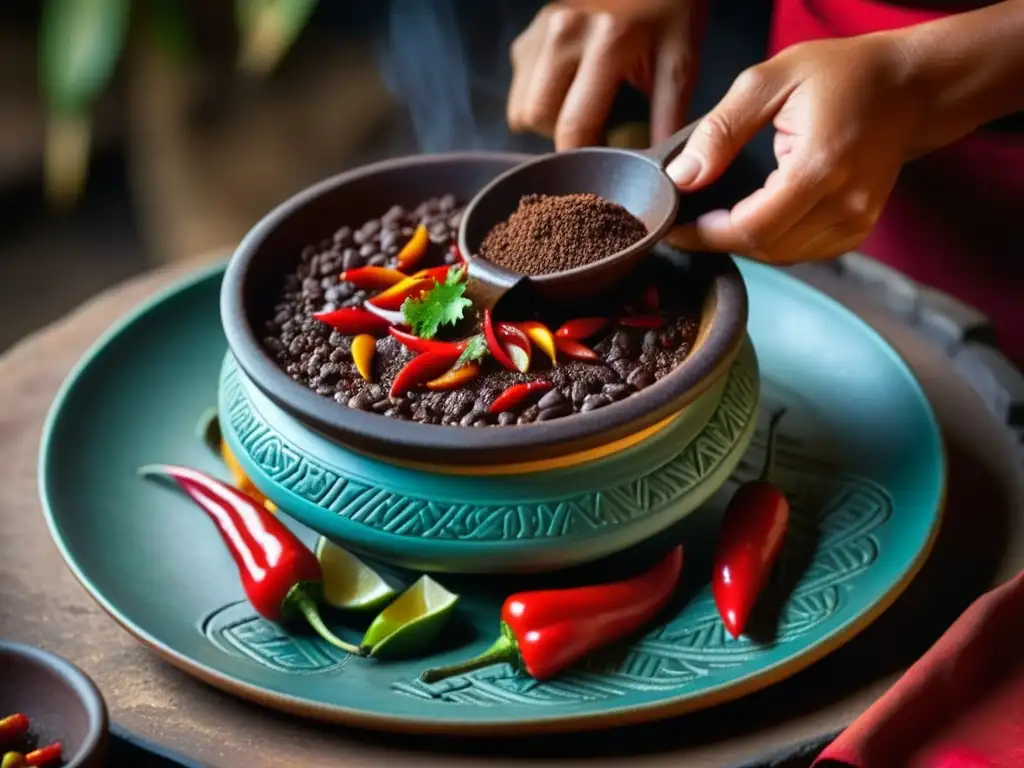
(349, 583)
(412, 622)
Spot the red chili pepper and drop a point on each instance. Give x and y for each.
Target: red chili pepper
(393, 298)
(353, 321)
(575, 350)
(751, 535)
(581, 328)
(517, 394)
(416, 344)
(494, 346)
(543, 633)
(457, 253)
(13, 727)
(650, 299)
(642, 321)
(47, 755)
(421, 369)
(281, 577)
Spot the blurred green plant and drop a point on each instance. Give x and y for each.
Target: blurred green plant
(81, 42)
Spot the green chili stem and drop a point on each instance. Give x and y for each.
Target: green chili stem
(503, 650)
(300, 599)
(769, 455)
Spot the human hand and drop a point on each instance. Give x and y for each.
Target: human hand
(569, 64)
(847, 114)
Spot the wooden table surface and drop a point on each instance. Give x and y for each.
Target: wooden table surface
(981, 543)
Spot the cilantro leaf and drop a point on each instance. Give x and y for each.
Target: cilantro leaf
(476, 349)
(443, 304)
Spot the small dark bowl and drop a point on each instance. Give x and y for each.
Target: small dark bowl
(61, 703)
(254, 275)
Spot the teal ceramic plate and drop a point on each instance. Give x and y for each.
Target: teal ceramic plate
(860, 459)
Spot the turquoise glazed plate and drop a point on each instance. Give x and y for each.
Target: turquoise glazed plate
(860, 459)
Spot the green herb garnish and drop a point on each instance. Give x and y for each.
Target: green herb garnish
(443, 304)
(476, 348)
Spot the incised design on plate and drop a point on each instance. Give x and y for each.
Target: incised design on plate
(832, 542)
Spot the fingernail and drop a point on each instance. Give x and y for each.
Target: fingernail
(684, 170)
(714, 220)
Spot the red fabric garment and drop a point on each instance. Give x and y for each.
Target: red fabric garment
(960, 706)
(954, 221)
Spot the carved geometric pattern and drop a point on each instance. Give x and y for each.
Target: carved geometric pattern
(406, 514)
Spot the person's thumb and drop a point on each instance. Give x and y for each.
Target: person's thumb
(750, 103)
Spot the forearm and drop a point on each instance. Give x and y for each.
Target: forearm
(972, 67)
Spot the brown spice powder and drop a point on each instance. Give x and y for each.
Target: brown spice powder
(555, 233)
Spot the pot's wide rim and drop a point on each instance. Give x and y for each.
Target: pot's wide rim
(445, 444)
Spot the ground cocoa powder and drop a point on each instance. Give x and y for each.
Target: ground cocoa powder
(555, 233)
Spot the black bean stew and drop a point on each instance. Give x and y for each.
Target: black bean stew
(632, 350)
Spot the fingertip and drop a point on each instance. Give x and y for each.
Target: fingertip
(685, 169)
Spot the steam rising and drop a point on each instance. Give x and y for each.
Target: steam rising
(448, 61)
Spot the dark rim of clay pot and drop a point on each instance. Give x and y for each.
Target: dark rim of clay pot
(722, 331)
(87, 698)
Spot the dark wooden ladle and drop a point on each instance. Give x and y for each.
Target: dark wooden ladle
(636, 180)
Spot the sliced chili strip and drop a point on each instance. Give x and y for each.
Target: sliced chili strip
(454, 378)
(517, 394)
(390, 316)
(416, 344)
(372, 278)
(456, 252)
(353, 321)
(493, 345)
(47, 755)
(520, 357)
(364, 348)
(541, 336)
(434, 273)
(13, 727)
(422, 369)
(575, 350)
(395, 296)
(413, 251)
(581, 328)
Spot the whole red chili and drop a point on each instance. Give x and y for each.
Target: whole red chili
(353, 321)
(750, 537)
(517, 394)
(13, 727)
(421, 369)
(281, 577)
(494, 346)
(543, 633)
(47, 755)
(416, 344)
